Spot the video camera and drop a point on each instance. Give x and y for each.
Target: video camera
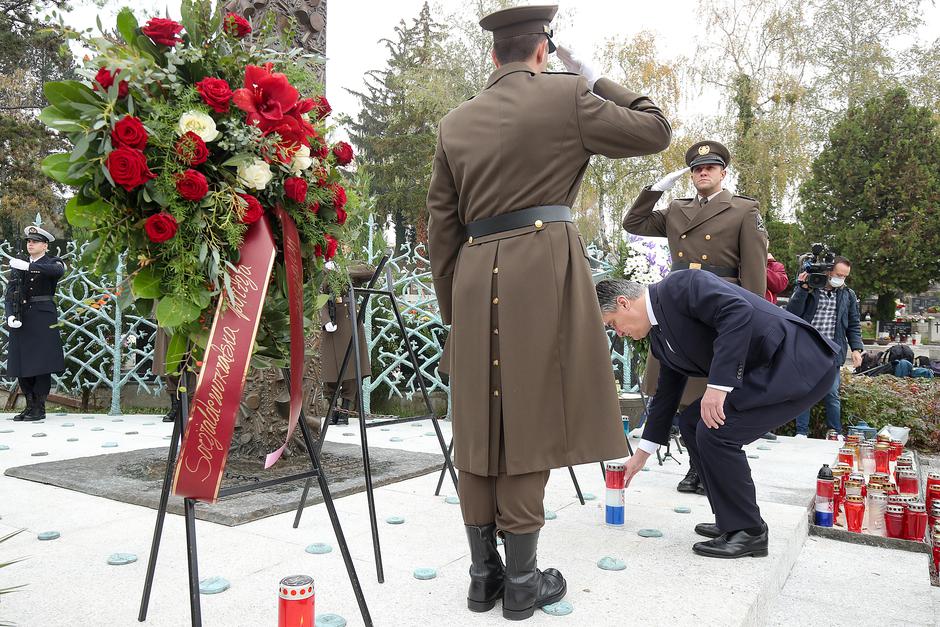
(817, 265)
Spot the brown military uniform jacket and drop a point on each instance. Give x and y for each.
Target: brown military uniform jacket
(527, 353)
(333, 345)
(728, 231)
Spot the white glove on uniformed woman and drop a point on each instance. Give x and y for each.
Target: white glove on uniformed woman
(577, 66)
(665, 184)
(13, 323)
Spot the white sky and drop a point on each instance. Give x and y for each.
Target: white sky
(355, 26)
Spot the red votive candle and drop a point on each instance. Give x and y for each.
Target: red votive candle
(854, 513)
(295, 602)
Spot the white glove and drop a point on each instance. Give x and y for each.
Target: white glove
(13, 323)
(577, 66)
(666, 183)
(330, 327)
(19, 264)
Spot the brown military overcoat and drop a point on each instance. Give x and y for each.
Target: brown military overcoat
(728, 231)
(527, 353)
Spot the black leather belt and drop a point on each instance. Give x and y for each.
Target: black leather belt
(40, 299)
(722, 271)
(530, 216)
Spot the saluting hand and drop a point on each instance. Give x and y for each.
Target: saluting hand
(713, 407)
(666, 183)
(576, 65)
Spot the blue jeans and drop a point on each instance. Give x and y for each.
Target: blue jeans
(833, 410)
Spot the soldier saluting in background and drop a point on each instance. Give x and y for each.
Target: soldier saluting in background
(35, 348)
(715, 231)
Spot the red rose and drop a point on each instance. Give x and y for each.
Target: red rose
(163, 31)
(322, 107)
(235, 25)
(254, 211)
(339, 196)
(343, 153)
(314, 208)
(191, 150)
(192, 185)
(216, 93)
(129, 133)
(128, 168)
(296, 188)
(340, 216)
(105, 79)
(160, 227)
(331, 245)
(319, 149)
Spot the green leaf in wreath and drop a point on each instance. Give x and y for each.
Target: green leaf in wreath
(83, 213)
(176, 352)
(56, 118)
(127, 25)
(147, 283)
(173, 311)
(63, 94)
(321, 301)
(56, 167)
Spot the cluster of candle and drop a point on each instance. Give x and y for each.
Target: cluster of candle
(875, 487)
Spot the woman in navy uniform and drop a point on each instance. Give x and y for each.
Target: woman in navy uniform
(35, 348)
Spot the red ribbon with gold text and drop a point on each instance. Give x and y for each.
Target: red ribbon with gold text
(293, 263)
(215, 403)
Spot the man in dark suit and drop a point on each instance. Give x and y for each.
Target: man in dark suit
(763, 364)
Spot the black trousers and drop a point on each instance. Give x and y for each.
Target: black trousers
(39, 385)
(720, 460)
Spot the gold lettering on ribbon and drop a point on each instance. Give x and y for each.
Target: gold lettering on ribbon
(208, 445)
(242, 285)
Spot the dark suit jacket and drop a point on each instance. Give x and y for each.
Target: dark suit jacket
(708, 327)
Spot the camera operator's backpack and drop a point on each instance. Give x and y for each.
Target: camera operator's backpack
(898, 352)
(873, 364)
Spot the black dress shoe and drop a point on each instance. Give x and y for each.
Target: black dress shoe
(733, 545)
(709, 530)
(691, 482)
(700, 490)
(769, 436)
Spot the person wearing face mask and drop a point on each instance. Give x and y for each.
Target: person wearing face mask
(833, 310)
(35, 348)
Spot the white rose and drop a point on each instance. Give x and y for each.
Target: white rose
(256, 175)
(199, 123)
(302, 160)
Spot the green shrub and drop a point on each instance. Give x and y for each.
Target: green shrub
(884, 400)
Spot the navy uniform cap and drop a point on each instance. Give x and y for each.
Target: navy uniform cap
(524, 20)
(706, 152)
(37, 234)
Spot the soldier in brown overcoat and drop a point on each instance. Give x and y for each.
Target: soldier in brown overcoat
(532, 385)
(336, 333)
(715, 231)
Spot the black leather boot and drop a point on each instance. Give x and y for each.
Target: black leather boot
(691, 482)
(38, 411)
(175, 406)
(526, 587)
(29, 407)
(486, 569)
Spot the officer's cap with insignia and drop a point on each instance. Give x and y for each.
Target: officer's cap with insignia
(704, 153)
(37, 234)
(524, 20)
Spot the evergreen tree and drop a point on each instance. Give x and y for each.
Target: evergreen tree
(874, 196)
(396, 129)
(30, 54)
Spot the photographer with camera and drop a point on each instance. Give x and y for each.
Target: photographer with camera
(823, 300)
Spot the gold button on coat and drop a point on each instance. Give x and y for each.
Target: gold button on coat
(496, 362)
(495, 392)
(470, 241)
(704, 257)
(539, 224)
(495, 270)
(680, 253)
(682, 236)
(708, 237)
(495, 331)
(495, 301)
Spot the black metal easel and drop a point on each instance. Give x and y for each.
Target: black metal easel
(353, 350)
(189, 507)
